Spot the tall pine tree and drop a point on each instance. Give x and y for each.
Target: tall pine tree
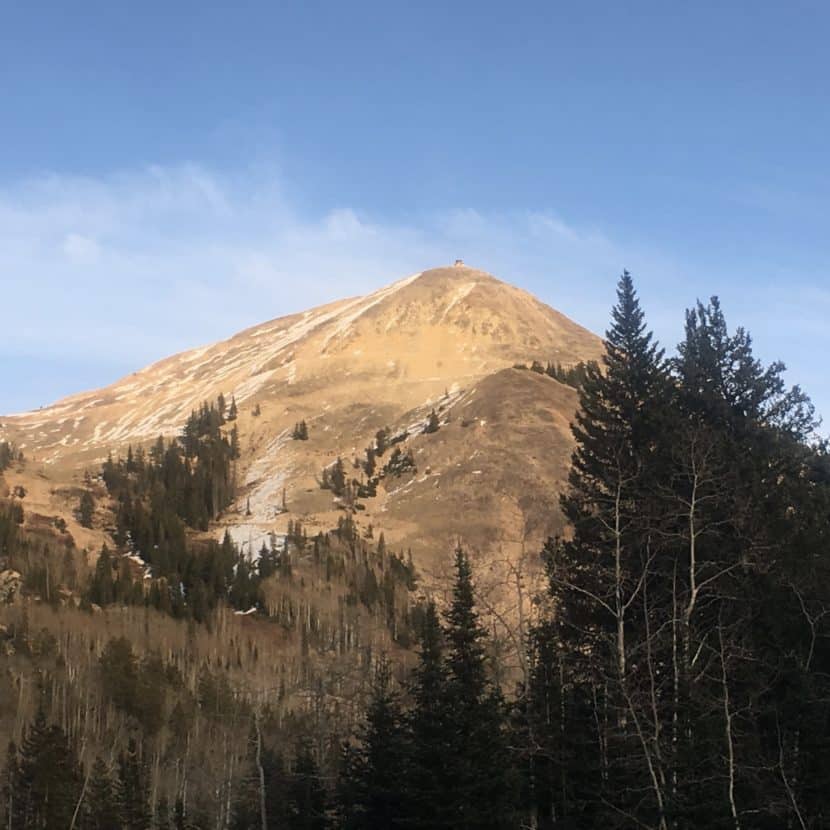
(430, 797)
(479, 774)
(375, 773)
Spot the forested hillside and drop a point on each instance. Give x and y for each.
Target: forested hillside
(675, 674)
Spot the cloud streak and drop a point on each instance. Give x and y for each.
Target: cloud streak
(129, 268)
(170, 257)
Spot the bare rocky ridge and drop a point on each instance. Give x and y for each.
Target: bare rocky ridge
(444, 339)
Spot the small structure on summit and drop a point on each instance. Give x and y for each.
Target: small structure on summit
(459, 263)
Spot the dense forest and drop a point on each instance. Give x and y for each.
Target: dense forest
(678, 675)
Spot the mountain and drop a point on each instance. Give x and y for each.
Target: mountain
(444, 340)
(315, 680)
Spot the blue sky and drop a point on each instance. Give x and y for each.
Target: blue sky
(170, 173)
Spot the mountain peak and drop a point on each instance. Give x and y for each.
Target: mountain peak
(459, 271)
(442, 328)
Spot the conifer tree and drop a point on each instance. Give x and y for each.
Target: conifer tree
(600, 577)
(11, 784)
(375, 775)
(86, 509)
(250, 805)
(101, 587)
(101, 803)
(300, 431)
(45, 781)
(306, 794)
(479, 772)
(133, 789)
(429, 795)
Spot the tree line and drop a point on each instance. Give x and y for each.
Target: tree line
(573, 375)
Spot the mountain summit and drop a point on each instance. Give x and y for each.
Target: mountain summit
(442, 341)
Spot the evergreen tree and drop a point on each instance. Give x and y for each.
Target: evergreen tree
(556, 737)
(165, 817)
(250, 805)
(276, 789)
(300, 431)
(306, 794)
(101, 802)
(44, 782)
(11, 784)
(86, 509)
(8, 454)
(479, 772)
(600, 578)
(234, 444)
(101, 587)
(132, 789)
(430, 796)
(375, 775)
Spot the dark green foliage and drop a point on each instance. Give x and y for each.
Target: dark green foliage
(334, 478)
(381, 441)
(399, 463)
(445, 762)
(611, 474)
(244, 591)
(682, 672)
(102, 583)
(479, 764)
(192, 478)
(306, 793)
(9, 454)
(46, 566)
(429, 800)
(556, 738)
(137, 688)
(180, 485)
(574, 375)
(432, 424)
(373, 779)
(43, 779)
(6, 455)
(101, 807)
(133, 801)
(300, 431)
(369, 465)
(11, 517)
(11, 779)
(86, 509)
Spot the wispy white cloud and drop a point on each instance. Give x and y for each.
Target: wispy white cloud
(163, 258)
(80, 249)
(134, 266)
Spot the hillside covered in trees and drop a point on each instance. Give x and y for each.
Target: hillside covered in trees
(676, 675)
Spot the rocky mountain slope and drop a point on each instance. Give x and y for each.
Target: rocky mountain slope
(443, 340)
